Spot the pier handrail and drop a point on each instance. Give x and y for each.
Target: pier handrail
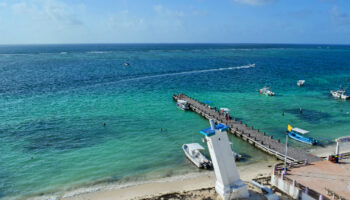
(255, 137)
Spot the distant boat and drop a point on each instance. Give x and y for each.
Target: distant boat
(300, 83)
(297, 134)
(192, 152)
(126, 64)
(266, 91)
(340, 94)
(225, 110)
(182, 104)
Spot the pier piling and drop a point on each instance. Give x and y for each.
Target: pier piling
(239, 129)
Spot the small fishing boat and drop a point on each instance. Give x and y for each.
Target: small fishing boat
(182, 104)
(266, 91)
(126, 64)
(225, 111)
(297, 134)
(340, 94)
(192, 152)
(300, 83)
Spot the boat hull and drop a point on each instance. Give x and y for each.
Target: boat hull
(337, 95)
(196, 162)
(182, 107)
(300, 138)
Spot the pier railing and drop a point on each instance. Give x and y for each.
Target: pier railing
(253, 136)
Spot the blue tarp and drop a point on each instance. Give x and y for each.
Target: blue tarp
(208, 132)
(207, 102)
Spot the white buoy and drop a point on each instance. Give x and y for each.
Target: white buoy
(228, 183)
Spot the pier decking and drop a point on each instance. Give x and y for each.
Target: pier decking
(255, 137)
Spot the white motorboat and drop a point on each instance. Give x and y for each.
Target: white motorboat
(266, 91)
(340, 94)
(182, 104)
(300, 83)
(225, 111)
(192, 152)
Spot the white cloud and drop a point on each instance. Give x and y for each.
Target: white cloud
(52, 10)
(125, 21)
(254, 2)
(340, 17)
(159, 9)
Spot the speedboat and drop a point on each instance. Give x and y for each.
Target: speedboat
(300, 83)
(192, 152)
(182, 104)
(266, 91)
(297, 134)
(340, 94)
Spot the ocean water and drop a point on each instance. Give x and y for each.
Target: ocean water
(55, 99)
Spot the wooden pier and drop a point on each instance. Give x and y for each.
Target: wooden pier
(256, 138)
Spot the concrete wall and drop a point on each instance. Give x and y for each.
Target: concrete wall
(289, 189)
(285, 186)
(306, 197)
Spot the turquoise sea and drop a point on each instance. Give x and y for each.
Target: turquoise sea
(55, 99)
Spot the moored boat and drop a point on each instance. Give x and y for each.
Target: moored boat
(192, 152)
(182, 104)
(339, 94)
(300, 83)
(266, 91)
(297, 134)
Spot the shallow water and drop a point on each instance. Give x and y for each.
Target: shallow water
(54, 100)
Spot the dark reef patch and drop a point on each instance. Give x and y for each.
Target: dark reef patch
(59, 134)
(310, 116)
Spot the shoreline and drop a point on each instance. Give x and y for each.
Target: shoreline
(324, 151)
(167, 185)
(191, 181)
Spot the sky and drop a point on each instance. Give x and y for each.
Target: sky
(174, 21)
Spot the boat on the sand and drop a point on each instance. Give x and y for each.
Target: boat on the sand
(193, 153)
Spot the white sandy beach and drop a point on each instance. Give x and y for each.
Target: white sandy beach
(178, 184)
(193, 186)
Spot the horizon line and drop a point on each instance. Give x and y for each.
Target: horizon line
(173, 43)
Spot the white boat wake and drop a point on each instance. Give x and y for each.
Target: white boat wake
(164, 75)
(187, 72)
